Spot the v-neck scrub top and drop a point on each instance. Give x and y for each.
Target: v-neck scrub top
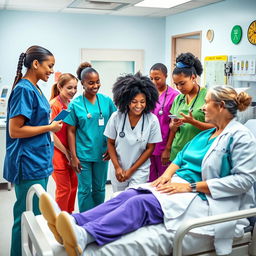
(133, 144)
(187, 131)
(164, 103)
(28, 158)
(91, 144)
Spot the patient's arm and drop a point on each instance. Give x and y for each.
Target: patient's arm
(172, 188)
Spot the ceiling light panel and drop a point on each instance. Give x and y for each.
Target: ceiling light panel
(161, 3)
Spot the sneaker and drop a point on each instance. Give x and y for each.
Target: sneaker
(50, 210)
(74, 237)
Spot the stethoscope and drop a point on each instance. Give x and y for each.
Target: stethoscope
(194, 102)
(161, 111)
(89, 115)
(122, 133)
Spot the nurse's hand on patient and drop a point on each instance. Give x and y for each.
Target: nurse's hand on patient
(172, 188)
(75, 164)
(55, 126)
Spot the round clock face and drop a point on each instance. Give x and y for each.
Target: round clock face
(209, 35)
(251, 33)
(236, 34)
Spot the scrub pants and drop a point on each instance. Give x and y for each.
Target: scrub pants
(91, 184)
(19, 207)
(125, 213)
(66, 187)
(156, 168)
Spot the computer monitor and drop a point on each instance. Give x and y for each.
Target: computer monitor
(4, 93)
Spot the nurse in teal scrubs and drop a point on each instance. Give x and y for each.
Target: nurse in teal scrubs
(29, 148)
(88, 146)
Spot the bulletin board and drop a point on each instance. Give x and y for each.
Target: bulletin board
(214, 67)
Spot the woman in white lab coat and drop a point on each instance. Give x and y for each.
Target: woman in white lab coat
(132, 131)
(213, 174)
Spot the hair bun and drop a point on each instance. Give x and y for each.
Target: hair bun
(186, 58)
(82, 66)
(189, 59)
(85, 65)
(243, 101)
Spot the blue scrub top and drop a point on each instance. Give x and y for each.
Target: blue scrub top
(28, 158)
(91, 144)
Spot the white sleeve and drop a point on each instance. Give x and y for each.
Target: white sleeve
(111, 127)
(243, 172)
(155, 135)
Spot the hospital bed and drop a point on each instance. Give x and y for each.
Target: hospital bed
(38, 240)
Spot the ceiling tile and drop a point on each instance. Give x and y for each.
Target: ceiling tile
(136, 11)
(129, 10)
(89, 11)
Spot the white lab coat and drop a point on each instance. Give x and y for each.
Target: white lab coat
(132, 145)
(230, 193)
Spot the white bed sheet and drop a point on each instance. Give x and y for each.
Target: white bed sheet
(147, 241)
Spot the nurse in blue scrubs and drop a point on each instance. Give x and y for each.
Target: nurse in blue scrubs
(89, 115)
(29, 147)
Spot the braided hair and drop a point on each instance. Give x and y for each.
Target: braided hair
(128, 86)
(188, 64)
(34, 52)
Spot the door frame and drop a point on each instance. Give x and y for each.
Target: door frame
(173, 47)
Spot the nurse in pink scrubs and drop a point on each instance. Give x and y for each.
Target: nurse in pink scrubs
(161, 155)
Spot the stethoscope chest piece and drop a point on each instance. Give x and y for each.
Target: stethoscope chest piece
(121, 134)
(89, 115)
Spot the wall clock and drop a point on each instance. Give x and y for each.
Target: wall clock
(209, 35)
(251, 33)
(236, 34)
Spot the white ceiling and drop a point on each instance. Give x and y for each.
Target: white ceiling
(111, 7)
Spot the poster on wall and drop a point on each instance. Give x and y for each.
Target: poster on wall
(214, 73)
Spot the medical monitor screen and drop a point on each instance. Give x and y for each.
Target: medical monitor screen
(4, 93)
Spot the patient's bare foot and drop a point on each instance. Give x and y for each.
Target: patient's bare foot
(74, 237)
(50, 210)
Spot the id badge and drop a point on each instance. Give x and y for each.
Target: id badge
(101, 121)
(51, 136)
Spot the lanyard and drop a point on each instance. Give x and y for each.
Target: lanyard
(122, 133)
(89, 115)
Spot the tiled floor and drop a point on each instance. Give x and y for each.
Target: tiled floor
(7, 199)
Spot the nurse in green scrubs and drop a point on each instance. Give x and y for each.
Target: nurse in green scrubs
(187, 107)
(86, 124)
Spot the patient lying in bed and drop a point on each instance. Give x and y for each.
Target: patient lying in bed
(214, 173)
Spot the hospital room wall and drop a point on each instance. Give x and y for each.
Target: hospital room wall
(221, 17)
(65, 34)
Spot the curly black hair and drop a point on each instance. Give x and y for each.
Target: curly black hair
(194, 66)
(128, 86)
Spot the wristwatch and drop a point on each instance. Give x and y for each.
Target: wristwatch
(193, 187)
